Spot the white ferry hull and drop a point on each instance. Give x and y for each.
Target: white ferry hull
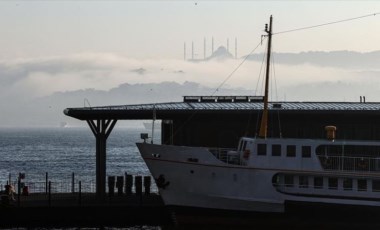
(194, 177)
(209, 183)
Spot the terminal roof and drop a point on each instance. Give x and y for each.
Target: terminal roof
(188, 107)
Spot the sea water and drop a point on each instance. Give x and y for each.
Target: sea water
(61, 152)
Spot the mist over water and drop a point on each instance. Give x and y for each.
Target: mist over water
(100, 79)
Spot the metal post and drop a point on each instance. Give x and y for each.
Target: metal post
(18, 190)
(49, 194)
(101, 130)
(154, 119)
(46, 183)
(101, 147)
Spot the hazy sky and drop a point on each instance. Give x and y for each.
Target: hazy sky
(151, 29)
(48, 47)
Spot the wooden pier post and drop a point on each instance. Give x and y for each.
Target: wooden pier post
(119, 185)
(72, 183)
(147, 184)
(128, 184)
(125, 182)
(138, 185)
(111, 185)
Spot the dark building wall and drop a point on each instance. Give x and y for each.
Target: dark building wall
(220, 129)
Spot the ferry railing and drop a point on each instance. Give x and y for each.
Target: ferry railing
(63, 187)
(56, 186)
(347, 163)
(224, 154)
(60, 193)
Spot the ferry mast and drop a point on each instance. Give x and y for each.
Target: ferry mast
(264, 118)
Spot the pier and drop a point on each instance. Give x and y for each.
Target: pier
(74, 205)
(47, 205)
(55, 205)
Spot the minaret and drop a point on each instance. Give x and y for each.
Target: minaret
(184, 51)
(192, 50)
(204, 48)
(212, 45)
(235, 48)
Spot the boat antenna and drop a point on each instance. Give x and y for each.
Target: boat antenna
(264, 118)
(153, 120)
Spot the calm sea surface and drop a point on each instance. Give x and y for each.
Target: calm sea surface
(63, 151)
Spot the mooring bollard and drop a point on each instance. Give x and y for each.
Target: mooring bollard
(128, 184)
(125, 180)
(138, 185)
(111, 185)
(120, 185)
(147, 183)
(72, 183)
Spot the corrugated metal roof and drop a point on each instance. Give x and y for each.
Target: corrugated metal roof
(169, 109)
(242, 106)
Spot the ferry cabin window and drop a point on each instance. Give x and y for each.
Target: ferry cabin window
(318, 182)
(349, 150)
(306, 151)
(347, 184)
(333, 182)
(376, 186)
(291, 151)
(276, 150)
(303, 181)
(362, 185)
(289, 180)
(261, 149)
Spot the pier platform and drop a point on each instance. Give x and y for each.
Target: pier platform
(70, 210)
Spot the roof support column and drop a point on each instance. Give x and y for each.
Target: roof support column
(101, 129)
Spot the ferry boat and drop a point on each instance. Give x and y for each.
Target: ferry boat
(269, 175)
